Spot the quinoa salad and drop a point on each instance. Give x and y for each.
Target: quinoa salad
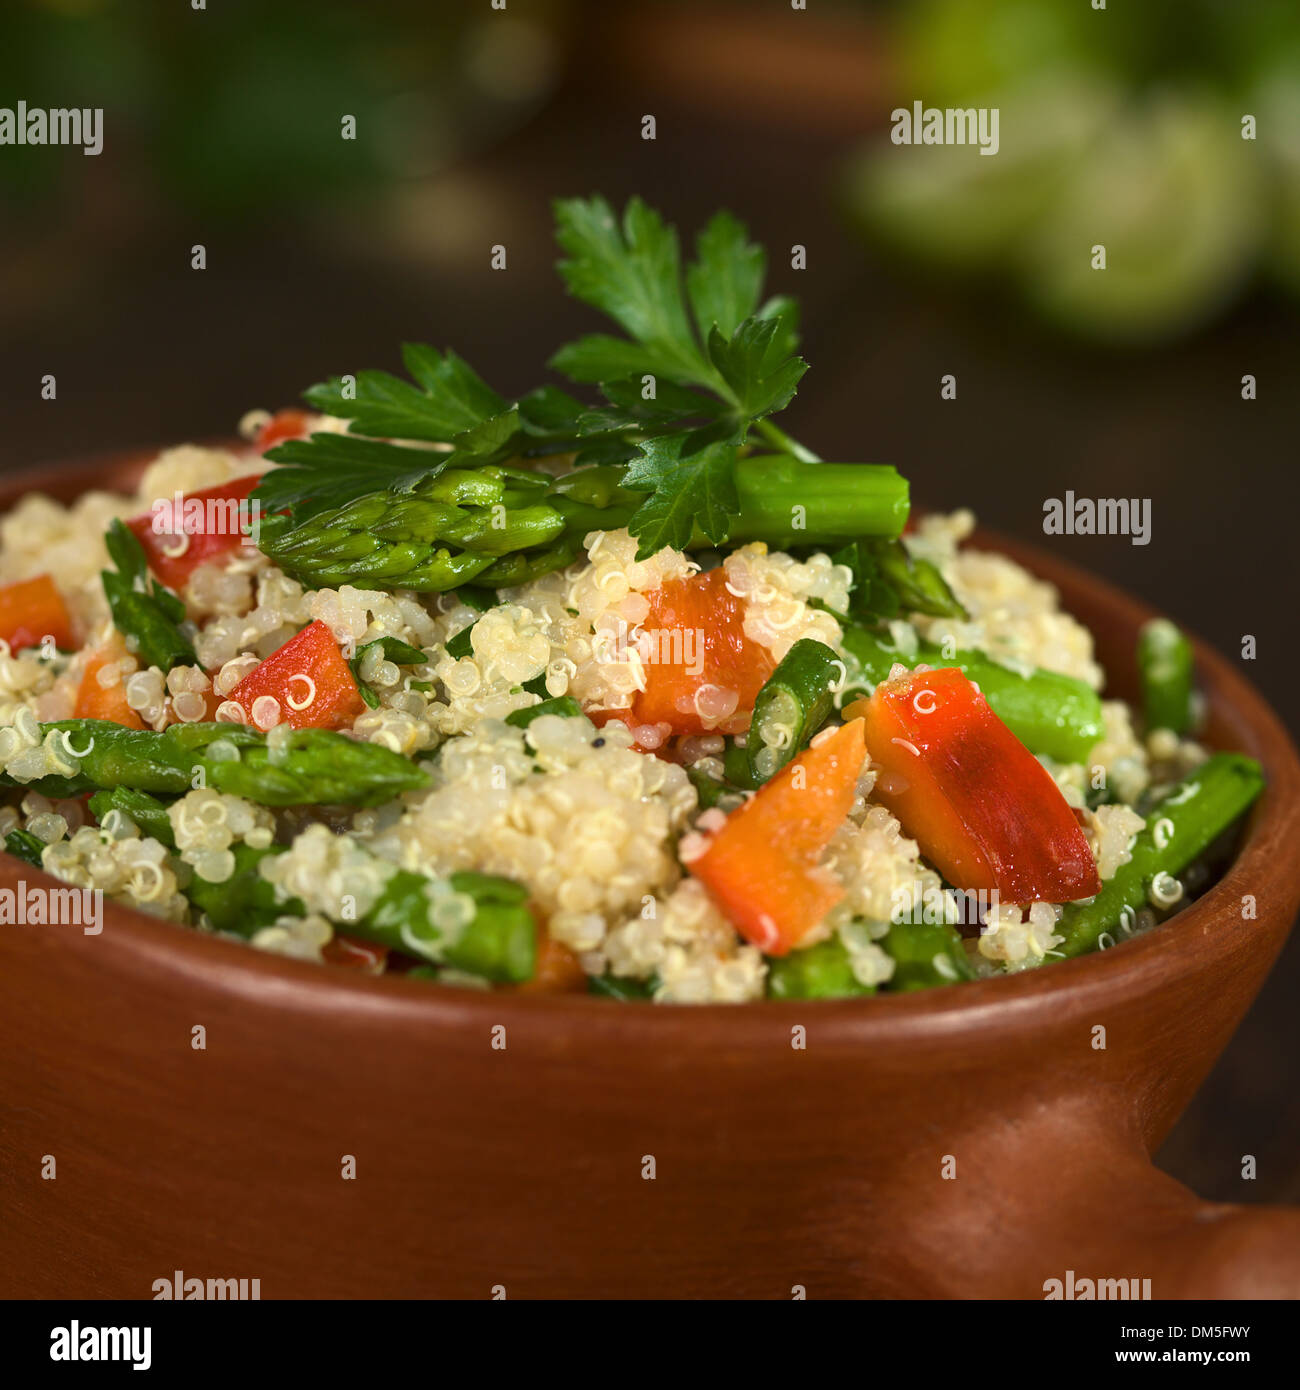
(623, 692)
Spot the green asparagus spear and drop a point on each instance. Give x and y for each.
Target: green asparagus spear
(823, 971)
(793, 704)
(311, 767)
(1055, 715)
(735, 766)
(839, 501)
(709, 790)
(889, 581)
(245, 902)
(148, 813)
(142, 609)
(1181, 824)
(1051, 714)
(22, 844)
(523, 566)
(1165, 665)
(427, 541)
(736, 779)
(499, 943)
(925, 954)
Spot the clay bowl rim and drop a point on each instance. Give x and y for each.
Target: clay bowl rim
(1199, 937)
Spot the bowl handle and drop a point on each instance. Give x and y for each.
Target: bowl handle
(1070, 1195)
(1192, 1248)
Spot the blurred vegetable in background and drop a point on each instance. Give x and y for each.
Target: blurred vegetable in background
(237, 108)
(1121, 127)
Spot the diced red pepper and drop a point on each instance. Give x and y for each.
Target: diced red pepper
(557, 970)
(761, 867)
(284, 424)
(32, 610)
(309, 680)
(95, 701)
(355, 954)
(983, 809)
(210, 530)
(695, 638)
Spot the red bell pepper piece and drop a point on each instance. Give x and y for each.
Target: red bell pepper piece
(284, 424)
(355, 954)
(694, 636)
(983, 809)
(309, 681)
(209, 533)
(32, 610)
(761, 867)
(558, 970)
(95, 701)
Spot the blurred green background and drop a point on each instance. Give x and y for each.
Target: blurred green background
(1122, 126)
(1126, 127)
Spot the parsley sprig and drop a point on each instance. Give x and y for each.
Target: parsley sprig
(704, 361)
(424, 490)
(446, 403)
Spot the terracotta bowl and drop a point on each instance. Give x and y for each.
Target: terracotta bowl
(971, 1141)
